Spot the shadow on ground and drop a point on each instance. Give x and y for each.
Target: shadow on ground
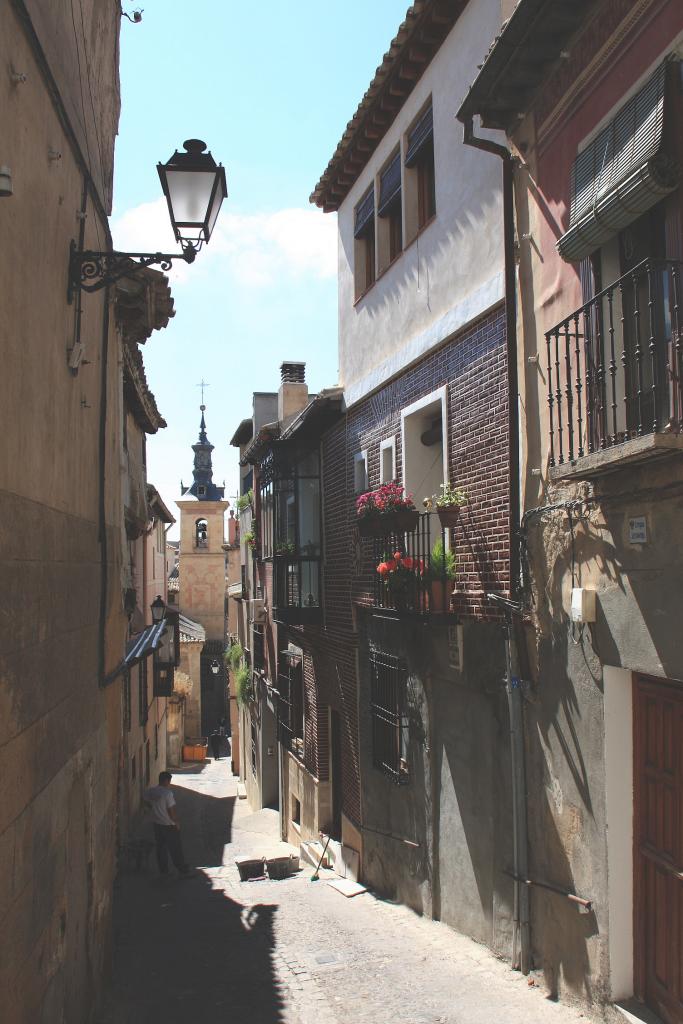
(184, 951)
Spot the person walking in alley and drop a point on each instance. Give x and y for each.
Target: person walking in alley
(215, 744)
(161, 804)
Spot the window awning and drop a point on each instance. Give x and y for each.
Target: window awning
(389, 185)
(419, 137)
(144, 644)
(364, 212)
(622, 173)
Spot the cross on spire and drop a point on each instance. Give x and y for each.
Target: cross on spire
(203, 385)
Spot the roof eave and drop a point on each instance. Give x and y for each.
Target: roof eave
(512, 68)
(420, 35)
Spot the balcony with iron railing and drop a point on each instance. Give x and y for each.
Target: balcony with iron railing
(614, 374)
(412, 573)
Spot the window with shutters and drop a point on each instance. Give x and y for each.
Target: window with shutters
(364, 243)
(614, 363)
(420, 181)
(389, 213)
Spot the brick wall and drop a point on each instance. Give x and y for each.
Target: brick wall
(473, 367)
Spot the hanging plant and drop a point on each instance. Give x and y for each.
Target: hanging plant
(388, 509)
(244, 686)
(234, 655)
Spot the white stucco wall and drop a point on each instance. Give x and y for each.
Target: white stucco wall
(453, 271)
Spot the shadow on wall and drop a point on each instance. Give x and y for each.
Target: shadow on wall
(560, 934)
(185, 951)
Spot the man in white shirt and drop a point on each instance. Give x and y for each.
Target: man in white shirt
(161, 804)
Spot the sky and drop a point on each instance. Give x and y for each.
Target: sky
(270, 88)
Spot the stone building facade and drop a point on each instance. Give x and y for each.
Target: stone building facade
(64, 618)
(593, 139)
(202, 583)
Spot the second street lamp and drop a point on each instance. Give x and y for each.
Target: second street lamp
(195, 187)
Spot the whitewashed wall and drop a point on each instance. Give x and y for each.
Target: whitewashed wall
(453, 271)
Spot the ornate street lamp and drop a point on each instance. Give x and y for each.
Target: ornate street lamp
(215, 667)
(158, 607)
(195, 187)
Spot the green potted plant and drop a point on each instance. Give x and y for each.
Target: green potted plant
(388, 509)
(246, 501)
(244, 687)
(441, 574)
(447, 504)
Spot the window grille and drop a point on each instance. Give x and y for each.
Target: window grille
(259, 652)
(143, 697)
(388, 682)
(290, 687)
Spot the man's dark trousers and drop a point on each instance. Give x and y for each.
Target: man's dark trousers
(168, 842)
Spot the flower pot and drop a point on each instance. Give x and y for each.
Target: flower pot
(439, 596)
(449, 516)
(400, 520)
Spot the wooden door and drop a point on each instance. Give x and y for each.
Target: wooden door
(658, 842)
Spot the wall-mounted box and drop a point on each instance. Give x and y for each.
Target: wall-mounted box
(583, 605)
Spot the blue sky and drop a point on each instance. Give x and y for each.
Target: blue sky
(270, 88)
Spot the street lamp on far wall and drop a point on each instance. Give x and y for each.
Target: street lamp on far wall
(215, 667)
(195, 187)
(158, 607)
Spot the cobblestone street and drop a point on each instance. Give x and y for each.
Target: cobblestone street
(289, 952)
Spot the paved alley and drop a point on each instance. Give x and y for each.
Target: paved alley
(289, 952)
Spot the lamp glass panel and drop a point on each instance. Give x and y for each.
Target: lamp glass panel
(190, 195)
(166, 648)
(215, 207)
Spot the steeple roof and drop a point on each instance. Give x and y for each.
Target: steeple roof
(203, 488)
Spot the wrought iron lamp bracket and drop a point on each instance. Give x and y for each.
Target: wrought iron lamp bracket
(89, 271)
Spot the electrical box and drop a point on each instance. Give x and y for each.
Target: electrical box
(257, 610)
(583, 605)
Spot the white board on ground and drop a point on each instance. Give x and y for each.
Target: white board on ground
(346, 887)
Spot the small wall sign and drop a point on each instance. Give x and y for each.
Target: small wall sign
(637, 530)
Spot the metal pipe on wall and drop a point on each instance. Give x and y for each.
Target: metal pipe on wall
(522, 928)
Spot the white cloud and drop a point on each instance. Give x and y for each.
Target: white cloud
(253, 249)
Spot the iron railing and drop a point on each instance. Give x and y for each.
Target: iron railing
(419, 586)
(614, 365)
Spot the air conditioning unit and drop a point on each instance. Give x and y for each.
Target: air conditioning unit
(257, 610)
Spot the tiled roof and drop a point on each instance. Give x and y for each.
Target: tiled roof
(426, 25)
(190, 632)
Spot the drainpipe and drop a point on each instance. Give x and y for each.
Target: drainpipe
(521, 927)
(510, 274)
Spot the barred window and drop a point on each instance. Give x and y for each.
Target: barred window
(291, 690)
(388, 684)
(143, 695)
(259, 648)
